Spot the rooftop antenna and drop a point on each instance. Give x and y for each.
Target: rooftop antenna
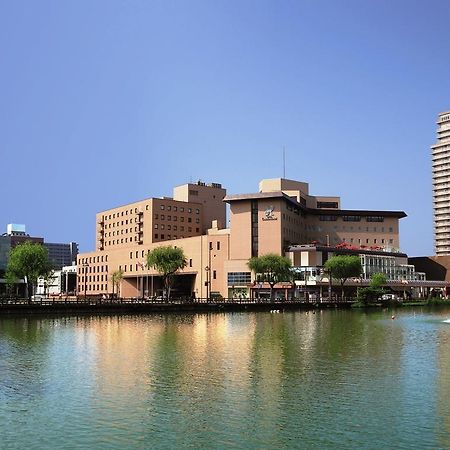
(284, 162)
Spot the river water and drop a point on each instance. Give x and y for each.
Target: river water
(333, 379)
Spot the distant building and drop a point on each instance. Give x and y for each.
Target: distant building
(15, 234)
(441, 185)
(62, 254)
(63, 282)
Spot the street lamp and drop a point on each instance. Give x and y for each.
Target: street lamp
(208, 276)
(85, 266)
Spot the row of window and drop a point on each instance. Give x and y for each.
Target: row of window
(92, 278)
(327, 205)
(175, 218)
(175, 208)
(169, 237)
(368, 241)
(122, 213)
(113, 233)
(173, 227)
(93, 259)
(92, 269)
(122, 223)
(139, 266)
(121, 241)
(331, 218)
(91, 287)
(238, 278)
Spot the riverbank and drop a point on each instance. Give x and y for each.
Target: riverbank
(136, 306)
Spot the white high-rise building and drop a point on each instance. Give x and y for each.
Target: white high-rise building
(441, 185)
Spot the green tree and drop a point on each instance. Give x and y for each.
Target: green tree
(271, 268)
(375, 289)
(116, 278)
(28, 261)
(167, 260)
(343, 267)
(377, 280)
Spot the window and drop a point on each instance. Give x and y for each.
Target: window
(131, 255)
(197, 211)
(218, 245)
(156, 235)
(169, 208)
(162, 236)
(190, 263)
(169, 217)
(375, 219)
(163, 216)
(162, 207)
(327, 218)
(193, 192)
(238, 278)
(175, 228)
(197, 220)
(214, 275)
(175, 218)
(175, 208)
(210, 245)
(181, 219)
(351, 218)
(156, 216)
(189, 210)
(181, 208)
(189, 219)
(327, 205)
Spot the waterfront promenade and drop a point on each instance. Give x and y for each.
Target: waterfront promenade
(136, 305)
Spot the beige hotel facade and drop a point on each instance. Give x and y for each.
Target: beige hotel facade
(282, 217)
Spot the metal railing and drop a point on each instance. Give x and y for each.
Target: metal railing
(54, 301)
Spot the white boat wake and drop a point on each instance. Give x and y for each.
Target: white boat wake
(446, 321)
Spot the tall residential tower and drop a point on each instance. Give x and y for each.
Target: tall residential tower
(441, 185)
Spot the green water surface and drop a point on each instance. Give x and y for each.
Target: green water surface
(329, 380)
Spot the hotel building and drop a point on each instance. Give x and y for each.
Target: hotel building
(282, 218)
(441, 185)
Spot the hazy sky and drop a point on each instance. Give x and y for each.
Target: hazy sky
(107, 102)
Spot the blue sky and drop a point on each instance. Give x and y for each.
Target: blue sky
(107, 102)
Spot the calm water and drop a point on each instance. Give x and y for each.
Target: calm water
(334, 379)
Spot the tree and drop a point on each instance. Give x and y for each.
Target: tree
(28, 261)
(271, 268)
(375, 289)
(167, 260)
(377, 280)
(343, 267)
(116, 278)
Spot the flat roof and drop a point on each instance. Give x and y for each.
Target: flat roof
(314, 211)
(359, 251)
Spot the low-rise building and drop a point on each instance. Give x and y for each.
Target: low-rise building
(276, 219)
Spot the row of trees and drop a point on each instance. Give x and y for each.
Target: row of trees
(30, 261)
